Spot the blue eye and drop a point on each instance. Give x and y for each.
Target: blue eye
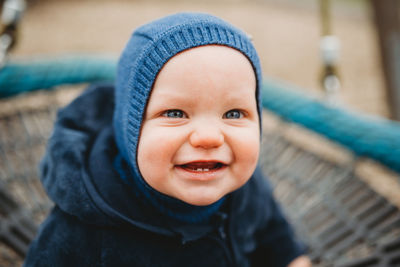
(174, 113)
(233, 114)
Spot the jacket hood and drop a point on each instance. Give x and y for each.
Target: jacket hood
(77, 170)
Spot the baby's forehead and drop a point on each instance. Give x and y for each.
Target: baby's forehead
(196, 54)
(207, 64)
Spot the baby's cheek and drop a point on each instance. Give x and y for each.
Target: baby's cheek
(153, 159)
(246, 154)
(250, 145)
(155, 149)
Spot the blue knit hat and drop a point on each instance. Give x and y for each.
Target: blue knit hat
(148, 49)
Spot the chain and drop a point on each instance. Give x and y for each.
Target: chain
(330, 50)
(11, 14)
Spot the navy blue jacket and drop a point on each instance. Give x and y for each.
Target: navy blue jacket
(98, 221)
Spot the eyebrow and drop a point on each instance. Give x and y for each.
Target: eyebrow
(170, 95)
(173, 96)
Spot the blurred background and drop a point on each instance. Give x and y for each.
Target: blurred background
(286, 34)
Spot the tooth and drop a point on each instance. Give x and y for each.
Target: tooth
(206, 170)
(199, 169)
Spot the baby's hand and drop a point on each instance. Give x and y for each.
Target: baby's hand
(302, 261)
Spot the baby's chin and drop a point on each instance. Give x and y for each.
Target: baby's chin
(205, 196)
(201, 200)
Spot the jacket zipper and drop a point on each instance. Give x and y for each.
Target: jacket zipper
(226, 250)
(222, 241)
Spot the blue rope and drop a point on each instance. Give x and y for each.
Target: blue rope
(20, 77)
(368, 136)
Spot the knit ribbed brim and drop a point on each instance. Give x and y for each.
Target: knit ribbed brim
(149, 48)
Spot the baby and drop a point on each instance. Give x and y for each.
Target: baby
(160, 169)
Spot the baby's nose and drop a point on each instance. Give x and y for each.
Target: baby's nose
(206, 136)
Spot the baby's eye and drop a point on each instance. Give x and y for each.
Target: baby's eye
(233, 114)
(174, 113)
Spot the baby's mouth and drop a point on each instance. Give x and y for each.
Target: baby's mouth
(202, 166)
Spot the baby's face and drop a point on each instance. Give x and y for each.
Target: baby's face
(200, 135)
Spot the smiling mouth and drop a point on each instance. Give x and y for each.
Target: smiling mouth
(202, 166)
